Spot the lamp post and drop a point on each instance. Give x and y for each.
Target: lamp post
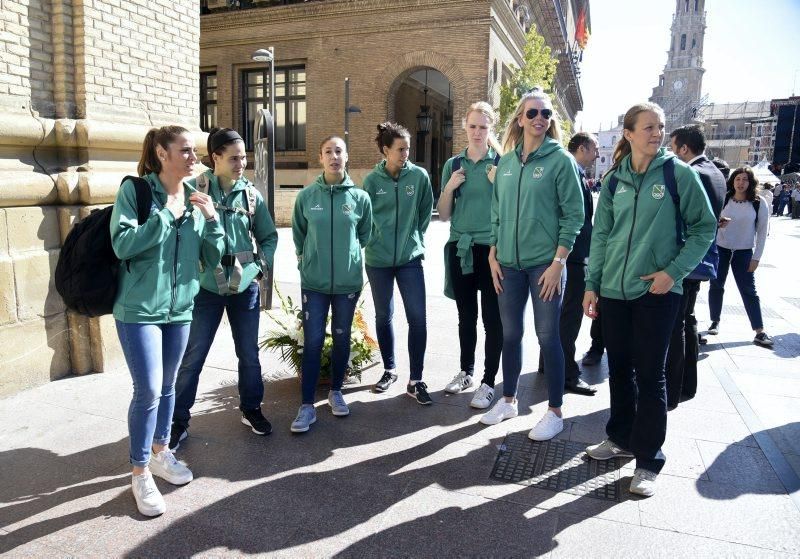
(424, 118)
(264, 157)
(447, 132)
(348, 108)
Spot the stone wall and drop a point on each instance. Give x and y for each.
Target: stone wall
(81, 81)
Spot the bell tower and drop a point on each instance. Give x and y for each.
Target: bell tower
(680, 85)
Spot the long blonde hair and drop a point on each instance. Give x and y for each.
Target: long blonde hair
(486, 110)
(623, 146)
(514, 131)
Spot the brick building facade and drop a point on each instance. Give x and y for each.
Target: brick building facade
(80, 84)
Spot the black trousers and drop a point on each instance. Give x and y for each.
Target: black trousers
(637, 336)
(570, 321)
(596, 332)
(466, 288)
(681, 367)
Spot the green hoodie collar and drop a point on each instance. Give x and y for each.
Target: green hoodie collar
(159, 188)
(213, 180)
(658, 161)
(381, 168)
(549, 145)
(344, 185)
(490, 155)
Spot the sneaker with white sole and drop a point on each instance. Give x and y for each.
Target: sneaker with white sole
(763, 340)
(483, 398)
(713, 330)
(148, 498)
(166, 466)
(460, 382)
(338, 405)
(501, 411)
(606, 451)
(306, 416)
(548, 427)
(643, 482)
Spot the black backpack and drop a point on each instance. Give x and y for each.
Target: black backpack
(87, 269)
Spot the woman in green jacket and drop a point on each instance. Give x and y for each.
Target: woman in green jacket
(157, 284)
(331, 223)
(466, 201)
(232, 286)
(402, 201)
(644, 242)
(537, 212)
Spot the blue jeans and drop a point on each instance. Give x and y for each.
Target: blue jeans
(243, 314)
(411, 282)
(739, 260)
(517, 285)
(637, 334)
(315, 317)
(153, 353)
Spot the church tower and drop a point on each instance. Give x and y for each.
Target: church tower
(679, 87)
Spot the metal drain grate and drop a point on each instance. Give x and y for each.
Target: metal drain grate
(554, 465)
(737, 310)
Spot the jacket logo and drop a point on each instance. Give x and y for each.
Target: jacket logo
(409, 189)
(317, 208)
(658, 191)
(381, 191)
(538, 172)
(489, 168)
(507, 173)
(622, 190)
(347, 209)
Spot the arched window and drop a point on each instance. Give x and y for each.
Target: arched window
(696, 5)
(687, 6)
(683, 40)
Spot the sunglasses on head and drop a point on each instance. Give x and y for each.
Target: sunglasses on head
(532, 113)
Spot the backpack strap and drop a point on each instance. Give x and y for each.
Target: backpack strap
(144, 197)
(456, 164)
(612, 184)
(672, 188)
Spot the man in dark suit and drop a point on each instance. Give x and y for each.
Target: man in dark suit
(583, 147)
(689, 144)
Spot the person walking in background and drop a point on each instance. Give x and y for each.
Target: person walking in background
(230, 288)
(689, 144)
(796, 202)
(466, 201)
(583, 148)
(331, 223)
(402, 201)
(741, 238)
(636, 266)
(537, 212)
(157, 286)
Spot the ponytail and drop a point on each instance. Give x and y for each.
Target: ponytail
(164, 136)
(623, 146)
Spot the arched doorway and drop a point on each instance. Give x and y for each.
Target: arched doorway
(424, 94)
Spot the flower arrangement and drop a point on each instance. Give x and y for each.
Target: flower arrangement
(287, 339)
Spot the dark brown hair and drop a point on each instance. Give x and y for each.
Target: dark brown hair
(208, 160)
(327, 139)
(164, 136)
(388, 132)
(752, 182)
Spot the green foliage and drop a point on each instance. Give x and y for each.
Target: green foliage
(538, 68)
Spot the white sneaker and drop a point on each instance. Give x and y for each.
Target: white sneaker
(148, 498)
(460, 382)
(165, 466)
(643, 482)
(502, 410)
(483, 398)
(548, 427)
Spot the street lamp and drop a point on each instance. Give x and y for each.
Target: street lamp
(268, 55)
(348, 108)
(447, 132)
(424, 118)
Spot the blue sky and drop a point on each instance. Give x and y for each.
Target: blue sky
(751, 53)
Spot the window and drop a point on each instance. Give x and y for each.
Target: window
(290, 105)
(683, 41)
(687, 6)
(731, 131)
(694, 41)
(208, 100)
(696, 2)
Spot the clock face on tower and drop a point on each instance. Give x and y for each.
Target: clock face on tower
(678, 84)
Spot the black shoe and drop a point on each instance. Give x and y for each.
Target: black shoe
(256, 421)
(178, 434)
(579, 386)
(701, 340)
(420, 392)
(592, 358)
(385, 382)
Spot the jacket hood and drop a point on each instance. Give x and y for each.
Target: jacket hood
(344, 185)
(381, 168)
(549, 145)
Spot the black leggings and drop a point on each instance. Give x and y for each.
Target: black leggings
(466, 289)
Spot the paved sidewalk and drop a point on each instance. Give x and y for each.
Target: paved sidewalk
(396, 479)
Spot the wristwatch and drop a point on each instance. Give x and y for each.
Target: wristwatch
(562, 261)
